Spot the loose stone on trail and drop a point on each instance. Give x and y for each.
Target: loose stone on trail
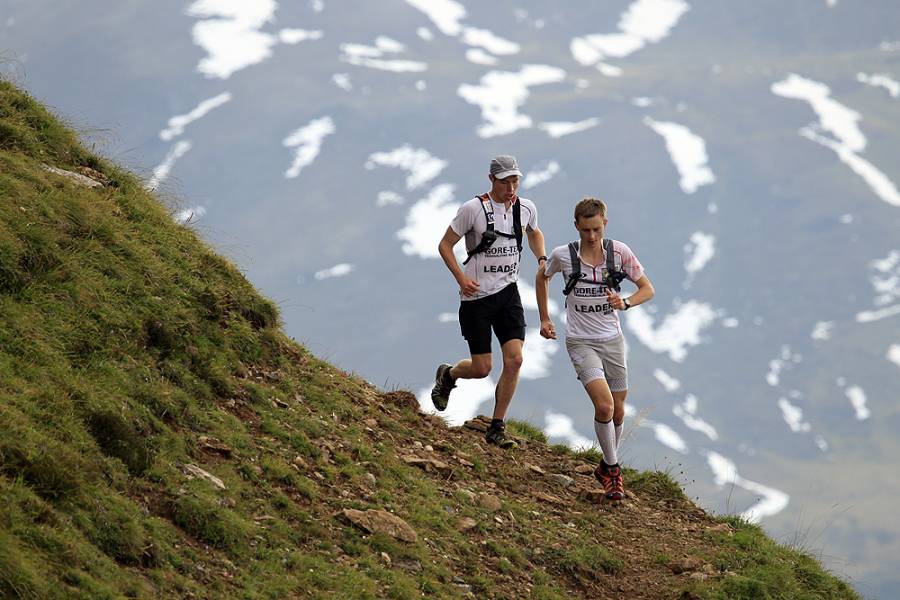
(489, 502)
(78, 178)
(195, 471)
(429, 465)
(563, 480)
(381, 521)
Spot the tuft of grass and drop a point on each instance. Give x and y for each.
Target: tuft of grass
(561, 449)
(584, 558)
(524, 429)
(657, 483)
(120, 439)
(18, 576)
(207, 520)
(592, 455)
(53, 470)
(114, 526)
(762, 568)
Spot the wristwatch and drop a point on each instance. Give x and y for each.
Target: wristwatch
(627, 303)
(540, 258)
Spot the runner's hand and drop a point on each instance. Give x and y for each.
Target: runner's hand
(548, 330)
(615, 300)
(468, 286)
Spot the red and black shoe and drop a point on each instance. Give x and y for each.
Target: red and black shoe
(610, 477)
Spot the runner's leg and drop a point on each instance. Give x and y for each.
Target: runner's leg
(602, 399)
(619, 414)
(477, 367)
(509, 377)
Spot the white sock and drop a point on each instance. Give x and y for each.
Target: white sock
(618, 427)
(606, 435)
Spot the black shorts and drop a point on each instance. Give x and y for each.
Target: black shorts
(502, 311)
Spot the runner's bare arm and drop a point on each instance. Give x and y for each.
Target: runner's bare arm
(536, 243)
(643, 294)
(445, 249)
(541, 285)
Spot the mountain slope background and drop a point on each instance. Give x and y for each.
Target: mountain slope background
(160, 436)
(768, 361)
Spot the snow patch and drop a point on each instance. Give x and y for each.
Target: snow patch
(501, 93)
(841, 123)
(688, 153)
(793, 416)
(371, 56)
(308, 143)
(561, 426)
(687, 412)
(880, 80)
(700, 250)
(388, 197)
(339, 270)
(667, 381)
(822, 330)
(468, 396)
(179, 122)
(480, 57)
(677, 332)
(536, 355)
(556, 129)
(725, 472)
(418, 162)
(427, 221)
(644, 22)
(230, 33)
(893, 354)
(161, 172)
(538, 176)
(857, 398)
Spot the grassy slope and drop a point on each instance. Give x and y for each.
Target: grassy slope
(129, 350)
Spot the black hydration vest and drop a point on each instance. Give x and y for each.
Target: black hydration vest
(611, 277)
(490, 236)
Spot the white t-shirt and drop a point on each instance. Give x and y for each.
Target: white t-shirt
(589, 315)
(499, 265)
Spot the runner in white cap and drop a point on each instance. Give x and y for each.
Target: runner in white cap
(593, 268)
(493, 226)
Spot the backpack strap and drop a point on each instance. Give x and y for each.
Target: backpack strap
(517, 224)
(488, 216)
(612, 277)
(576, 260)
(575, 274)
(488, 239)
(610, 255)
(489, 235)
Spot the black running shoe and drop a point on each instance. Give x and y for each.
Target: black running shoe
(443, 384)
(496, 434)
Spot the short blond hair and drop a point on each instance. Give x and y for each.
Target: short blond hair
(590, 207)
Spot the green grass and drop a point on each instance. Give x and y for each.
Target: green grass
(656, 483)
(524, 429)
(125, 340)
(584, 557)
(766, 570)
(592, 455)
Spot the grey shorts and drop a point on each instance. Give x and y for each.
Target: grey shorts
(595, 360)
